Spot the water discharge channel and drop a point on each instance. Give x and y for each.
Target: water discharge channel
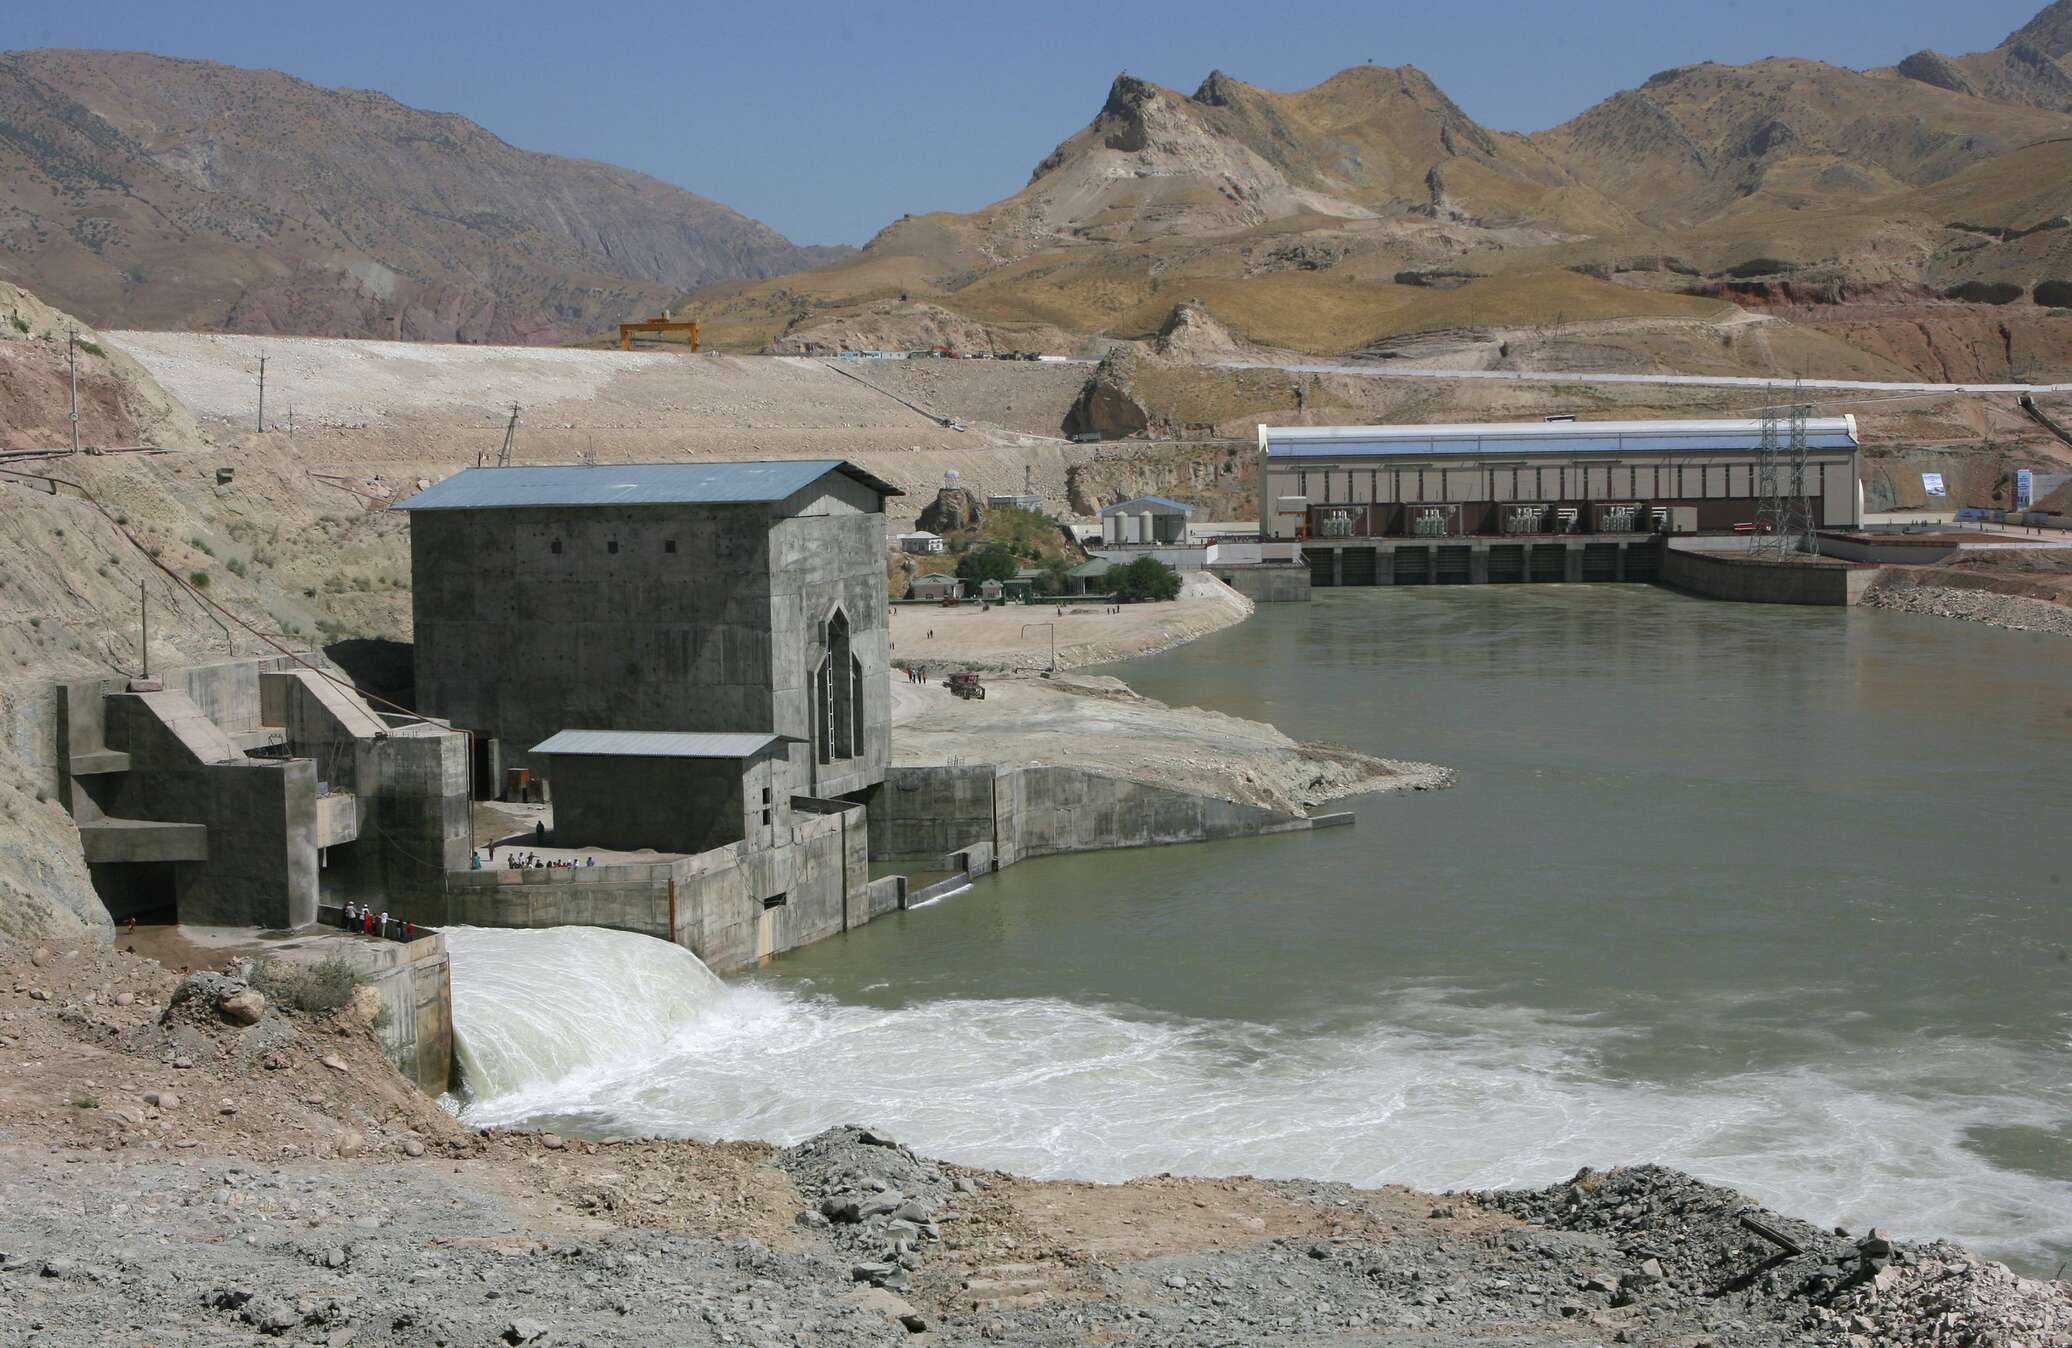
(1776, 895)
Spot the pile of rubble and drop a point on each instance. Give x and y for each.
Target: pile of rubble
(1698, 1243)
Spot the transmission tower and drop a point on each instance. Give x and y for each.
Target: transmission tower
(1783, 518)
(1769, 489)
(1798, 511)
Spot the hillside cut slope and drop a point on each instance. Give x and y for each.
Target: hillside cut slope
(171, 193)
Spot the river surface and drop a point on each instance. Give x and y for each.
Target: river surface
(1780, 896)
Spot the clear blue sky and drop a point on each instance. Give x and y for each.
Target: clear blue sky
(828, 121)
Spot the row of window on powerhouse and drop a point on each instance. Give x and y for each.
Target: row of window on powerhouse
(1441, 519)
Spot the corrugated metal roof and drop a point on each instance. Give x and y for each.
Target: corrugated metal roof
(1099, 566)
(610, 484)
(655, 744)
(1161, 501)
(1542, 437)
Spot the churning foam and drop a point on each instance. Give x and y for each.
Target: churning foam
(627, 1034)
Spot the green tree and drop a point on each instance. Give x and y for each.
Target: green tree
(991, 562)
(1054, 577)
(1145, 578)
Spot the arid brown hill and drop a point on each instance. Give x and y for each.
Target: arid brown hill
(2033, 66)
(1371, 209)
(167, 193)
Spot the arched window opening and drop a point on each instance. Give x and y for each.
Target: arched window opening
(837, 694)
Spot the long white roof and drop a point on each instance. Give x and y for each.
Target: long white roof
(1542, 437)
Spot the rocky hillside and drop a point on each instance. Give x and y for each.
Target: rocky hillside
(1372, 208)
(2030, 67)
(192, 195)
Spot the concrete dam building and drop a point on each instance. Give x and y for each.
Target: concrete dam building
(710, 597)
(1546, 500)
(696, 659)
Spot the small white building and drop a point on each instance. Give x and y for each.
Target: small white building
(1145, 521)
(1019, 501)
(936, 585)
(920, 541)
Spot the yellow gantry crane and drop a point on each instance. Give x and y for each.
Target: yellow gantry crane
(655, 327)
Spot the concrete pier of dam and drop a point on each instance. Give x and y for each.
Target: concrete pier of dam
(978, 818)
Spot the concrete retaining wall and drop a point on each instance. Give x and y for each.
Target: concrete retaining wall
(1267, 584)
(1894, 551)
(414, 980)
(731, 906)
(1756, 582)
(980, 818)
(1047, 810)
(925, 814)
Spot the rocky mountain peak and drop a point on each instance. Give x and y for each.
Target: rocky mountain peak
(1218, 90)
(2050, 30)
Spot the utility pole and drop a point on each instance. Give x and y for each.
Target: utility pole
(72, 366)
(503, 456)
(144, 613)
(262, 395)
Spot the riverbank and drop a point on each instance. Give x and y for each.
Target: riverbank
(1100, 724)
(167, 1175)
(1077, 632)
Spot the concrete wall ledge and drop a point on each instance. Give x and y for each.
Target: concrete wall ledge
(1751, 580)
(113, 841)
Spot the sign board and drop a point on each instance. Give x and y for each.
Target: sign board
(1932, 483)
(2024, 488)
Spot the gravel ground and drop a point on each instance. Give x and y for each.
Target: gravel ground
(2018, 612)
(130, 1217)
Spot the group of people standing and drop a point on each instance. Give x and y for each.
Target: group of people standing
(528, 862)
(361, 918)
(917, 674)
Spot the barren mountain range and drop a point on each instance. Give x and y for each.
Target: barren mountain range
(183, 194)
(1914, 212)
(1371, 206)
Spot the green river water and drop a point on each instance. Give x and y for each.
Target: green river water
(1781, 896)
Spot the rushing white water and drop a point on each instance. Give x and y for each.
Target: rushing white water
(537, 1014)
(616, 1033)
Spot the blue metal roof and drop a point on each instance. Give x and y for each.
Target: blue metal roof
(1517, 438)
(654, 744)
(610, 484)
(1161, 501)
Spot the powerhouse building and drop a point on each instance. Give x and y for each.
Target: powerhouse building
(1539, 478)
(711, 598)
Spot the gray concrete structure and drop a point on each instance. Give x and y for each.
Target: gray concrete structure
(412, 981)
(238, 794)
(668, 597)
(731, 905)
(669, 792)
(1736, 576)
(987, 817)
